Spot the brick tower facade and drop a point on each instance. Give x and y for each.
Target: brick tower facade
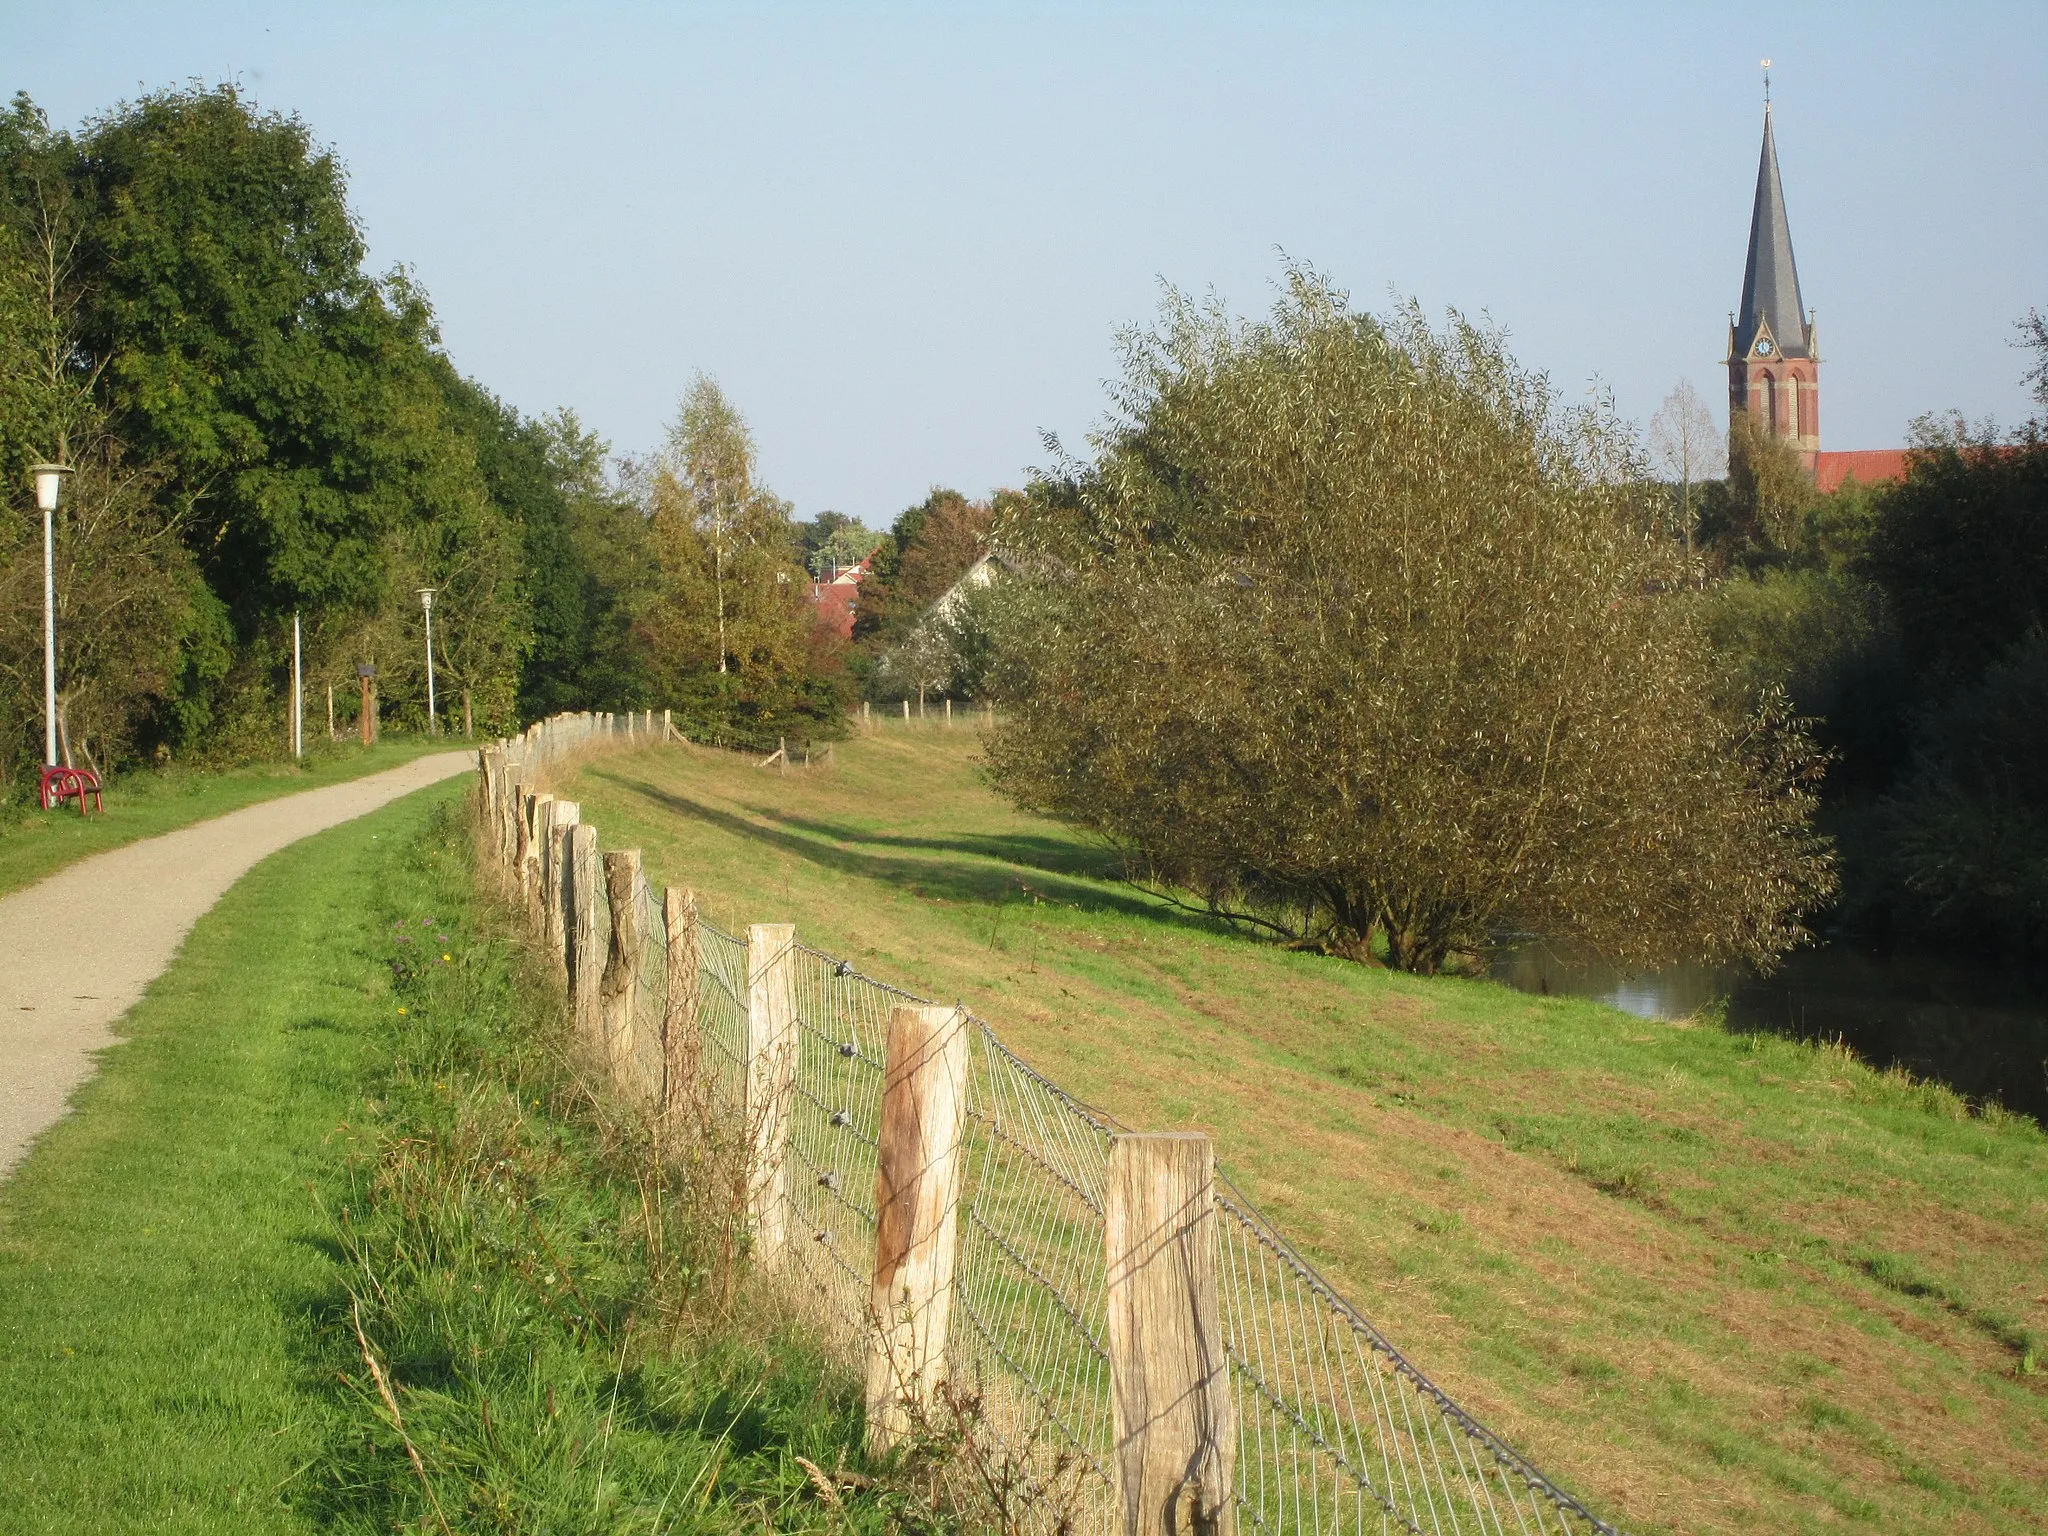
(1773, 363)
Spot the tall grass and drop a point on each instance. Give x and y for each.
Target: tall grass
(540, 1330)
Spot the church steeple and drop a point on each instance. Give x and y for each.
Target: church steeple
(1773, 364)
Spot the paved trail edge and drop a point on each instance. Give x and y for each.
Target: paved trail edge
(77, 949)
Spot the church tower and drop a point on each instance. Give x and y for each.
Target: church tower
(1773, 365)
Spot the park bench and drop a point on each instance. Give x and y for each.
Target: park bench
(61, 784)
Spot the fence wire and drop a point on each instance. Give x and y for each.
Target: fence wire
(1337, 1431)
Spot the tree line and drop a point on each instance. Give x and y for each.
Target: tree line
(258, 428)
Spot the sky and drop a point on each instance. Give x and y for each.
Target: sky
(904, 238)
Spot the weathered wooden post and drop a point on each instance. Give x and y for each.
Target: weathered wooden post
(668, 725)
(586, 955)
(565, 815)
(682, 1047)
(949, 709)
(906, 711)
(1174, 1425)
(624, 889)
(771, 1080)
(917, 1204)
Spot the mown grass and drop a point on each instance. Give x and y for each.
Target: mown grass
(1713, 1282)
(322, 1144)
(149, 801)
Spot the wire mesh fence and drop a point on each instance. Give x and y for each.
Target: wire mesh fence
(1336, 1431)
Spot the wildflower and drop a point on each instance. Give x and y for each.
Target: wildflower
(401, 1012)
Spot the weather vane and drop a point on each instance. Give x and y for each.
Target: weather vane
(1767, 82)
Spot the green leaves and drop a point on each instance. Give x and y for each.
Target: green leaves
(1363, 635)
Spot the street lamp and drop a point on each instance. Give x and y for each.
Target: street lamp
(433, 719)
(49, 480)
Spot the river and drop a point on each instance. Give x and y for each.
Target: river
(1981, 1030)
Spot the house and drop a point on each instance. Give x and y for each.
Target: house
(837, 599)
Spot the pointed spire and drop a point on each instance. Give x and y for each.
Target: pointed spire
(1770, 280)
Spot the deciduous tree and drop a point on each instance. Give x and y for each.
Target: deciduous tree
(1363, 642)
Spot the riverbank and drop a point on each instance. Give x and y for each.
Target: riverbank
(1709, 1281)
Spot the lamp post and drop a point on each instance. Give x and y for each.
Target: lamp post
(49, 480)
(433, 719)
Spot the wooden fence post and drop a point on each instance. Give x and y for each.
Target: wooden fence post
(682, 1046)
(906, 711)
(771, 1080)
(566, 814)
(533, 832)
(1174, 1429)
(917, 1203)
(623, 885)
(586, 956)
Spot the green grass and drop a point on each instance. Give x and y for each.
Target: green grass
(312, 1125)
(1713, 1282)
(33, 843)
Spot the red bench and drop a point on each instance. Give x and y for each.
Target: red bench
(61, 784)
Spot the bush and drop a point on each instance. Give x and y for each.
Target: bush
(1366, 640)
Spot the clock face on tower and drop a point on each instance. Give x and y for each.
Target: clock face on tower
(1764, 347)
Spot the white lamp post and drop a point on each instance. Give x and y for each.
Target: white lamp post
(49, 480)
(433, 719)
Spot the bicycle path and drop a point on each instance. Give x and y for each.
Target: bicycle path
(78, 948)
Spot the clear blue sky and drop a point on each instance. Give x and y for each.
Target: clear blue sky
(903, 237)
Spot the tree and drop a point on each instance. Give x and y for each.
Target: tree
(1684, 439)
(832, 541)
(1960, 546)
(929, 548)
(1362, 643)
(730, 624)
(710, 458)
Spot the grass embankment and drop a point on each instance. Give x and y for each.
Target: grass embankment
(316, 1125)
(149, 801)
(1711, 1282)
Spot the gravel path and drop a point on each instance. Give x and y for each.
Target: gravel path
(77, 949)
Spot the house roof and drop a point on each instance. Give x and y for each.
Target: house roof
(1871, 466)
(1770, 279)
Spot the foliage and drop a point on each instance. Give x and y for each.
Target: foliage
(1965, 834)
(1361, 641)
(832, 541)
(930, 547)
(1960, 547)
(1690, 448)
(734, 641)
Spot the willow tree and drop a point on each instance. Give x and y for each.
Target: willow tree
(1363, 639)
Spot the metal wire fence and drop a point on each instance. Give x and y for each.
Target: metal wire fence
(1336, 1430)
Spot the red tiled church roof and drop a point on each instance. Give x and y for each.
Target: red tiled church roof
(1872, 466)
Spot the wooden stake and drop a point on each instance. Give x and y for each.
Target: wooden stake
(682, 1047)
(1174, 1425)
(566, 814)
(771, 1080)
(623, 885)
(586, 956)
(917, 1204)
(468, 726)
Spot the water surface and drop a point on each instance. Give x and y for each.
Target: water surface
(1982, 1030)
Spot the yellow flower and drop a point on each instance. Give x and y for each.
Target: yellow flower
(444, 959)
(401, 1013)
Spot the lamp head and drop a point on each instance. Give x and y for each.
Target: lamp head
(49, 480)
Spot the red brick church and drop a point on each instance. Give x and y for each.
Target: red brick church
(1773, 353)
